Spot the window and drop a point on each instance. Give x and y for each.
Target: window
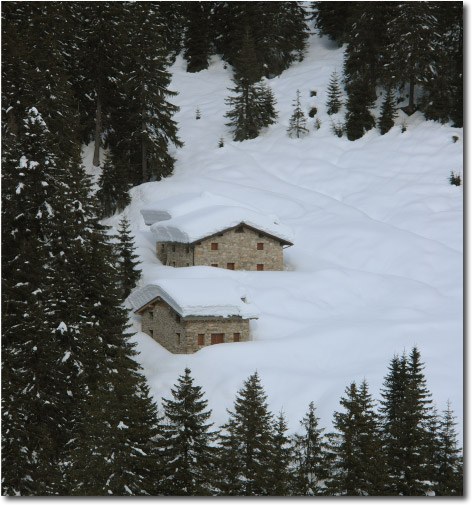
(163, 247)
(201, 339)
(151, 314)
(178, 338)
(177, 318)
(260, 246)
(214, 264)
(188, 250)
(236, 337)
(173, 248)
(261, 235)
(217, 338)
(188, 264)
(260, 267)
(214, 246)
(151, 333)
(220, 234)
(230, 266)
(173, 263)
(239, 230)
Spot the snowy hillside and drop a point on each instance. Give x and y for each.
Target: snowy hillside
(377, 262)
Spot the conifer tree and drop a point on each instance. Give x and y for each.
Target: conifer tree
(449, 476)
(279, 472)
(333, 19)
(114, 186)
(298, 120)
(246, 444)
(358, 117)
(388, 113)
(197, 35)
(310, 456)
(127, 264)
(188, 450)
(358, 468)
(334, 102)
(406, 411)
(253, 107)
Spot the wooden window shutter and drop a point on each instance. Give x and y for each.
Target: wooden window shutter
(214, 246)
(217, 338)
(230, 266)
(260, 267)
(201, 339)
(236, 337)
(260, 246)
(214, 264)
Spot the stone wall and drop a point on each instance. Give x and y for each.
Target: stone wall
(214, 325)
(181, 335)
(174, 254)
(241, 249)
(164, 325)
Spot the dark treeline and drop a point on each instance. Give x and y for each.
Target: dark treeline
(414, 48)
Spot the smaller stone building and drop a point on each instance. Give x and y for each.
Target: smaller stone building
(185, 315)
(234, 238)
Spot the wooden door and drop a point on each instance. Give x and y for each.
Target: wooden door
(217, 338)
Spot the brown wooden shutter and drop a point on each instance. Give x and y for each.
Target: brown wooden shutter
(201, 339)
(214, 264)
(236, 337)
(230, 266)
(214, 246)
(217, 338)
(260, 267)
(260, 246)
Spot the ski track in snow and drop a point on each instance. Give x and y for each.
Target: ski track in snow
(377, 262)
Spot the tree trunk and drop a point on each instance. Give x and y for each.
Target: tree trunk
(98, 122)
(411, 100)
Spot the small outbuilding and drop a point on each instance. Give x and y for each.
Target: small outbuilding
(185, 315)
(222, 236)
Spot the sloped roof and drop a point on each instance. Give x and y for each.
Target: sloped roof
(183, 204)
(196, 297)
(207, 221)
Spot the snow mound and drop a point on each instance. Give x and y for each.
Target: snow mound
(196, 297)
(207, 221)
(183, 204)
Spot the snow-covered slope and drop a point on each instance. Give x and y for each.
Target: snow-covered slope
(377, 263)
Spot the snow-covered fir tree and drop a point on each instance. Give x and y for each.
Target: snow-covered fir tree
(297, 127)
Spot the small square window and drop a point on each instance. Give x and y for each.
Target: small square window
(214, 246)
(188, 264)
(214, 264)
(230, 266)
(177, 318)
(236, 337)
(260, 246)
(239, 230)
(163, 247)
(260, 267)
(201, 339)
(261, 235)
(151, 314)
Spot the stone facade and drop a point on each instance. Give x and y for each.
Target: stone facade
(240, 248)
(187, 335)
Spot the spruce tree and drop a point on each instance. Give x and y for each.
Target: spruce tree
(358, 467)
(406, 411)
(127, 260)
(333, 19)
(388, 113)
(197, 35)
(310, 456)
(449, 476)
(334, 102)
(246, 443)
(188, 450)
(279, 471)
(253, 106)
(358, 117)
(297, 120)
(114, 186)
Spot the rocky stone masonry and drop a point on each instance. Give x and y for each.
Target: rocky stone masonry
(242, 250)
(180, 335)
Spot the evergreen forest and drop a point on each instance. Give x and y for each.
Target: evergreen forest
(78, 418)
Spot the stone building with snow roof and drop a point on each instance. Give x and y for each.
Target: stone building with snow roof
(235, 238)
(185, 315)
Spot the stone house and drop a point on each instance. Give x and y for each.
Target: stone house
(185, 315)
(235, 238)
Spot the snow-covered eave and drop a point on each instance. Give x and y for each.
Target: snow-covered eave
(188, 314)
(283, 241)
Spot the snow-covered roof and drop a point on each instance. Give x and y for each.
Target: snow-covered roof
(196, 297)
(183, 204)
(207, 221)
